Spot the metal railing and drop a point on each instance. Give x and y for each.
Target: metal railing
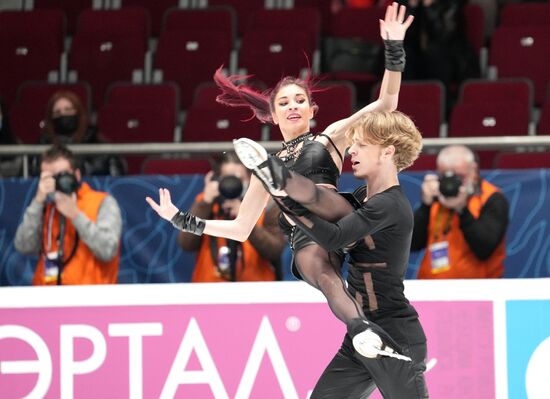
(511, 143)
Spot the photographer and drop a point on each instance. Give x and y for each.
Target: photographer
(73, 229)
(219, 259)
(461, 222)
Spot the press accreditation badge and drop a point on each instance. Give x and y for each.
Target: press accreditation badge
(51, 267)
(439, 253)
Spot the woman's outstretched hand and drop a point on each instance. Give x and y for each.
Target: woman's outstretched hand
(394, 25)
(164, 208)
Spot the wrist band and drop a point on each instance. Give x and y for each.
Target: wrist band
(394, 54)
(189, 223)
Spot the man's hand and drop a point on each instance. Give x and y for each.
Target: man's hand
(46, 185)
(211, 188)
(430, 189)
(66, 204)
(457, 203)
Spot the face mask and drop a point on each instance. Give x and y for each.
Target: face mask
(65, 125)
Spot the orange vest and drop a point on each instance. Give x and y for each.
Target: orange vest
(83, 267)
(250, 265)
(462, 261)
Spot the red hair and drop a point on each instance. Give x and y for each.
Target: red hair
(261, 104)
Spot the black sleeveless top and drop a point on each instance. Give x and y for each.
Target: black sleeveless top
(315, 163)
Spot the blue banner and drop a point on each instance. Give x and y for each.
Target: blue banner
(150, 253)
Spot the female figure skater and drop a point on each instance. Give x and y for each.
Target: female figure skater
(290, 106)
(379, 233)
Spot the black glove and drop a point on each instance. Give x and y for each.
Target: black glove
(184, 221)
(394, 55)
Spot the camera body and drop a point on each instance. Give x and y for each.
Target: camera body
(449, 184)
(230, 187)
(66, 182)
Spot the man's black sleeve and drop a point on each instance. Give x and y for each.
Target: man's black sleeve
(420, 231)
(485, 233)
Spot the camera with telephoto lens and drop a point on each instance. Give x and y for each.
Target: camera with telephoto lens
(66, 182)
(230, 187)
(449, 184)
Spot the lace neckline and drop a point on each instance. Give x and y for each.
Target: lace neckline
(291, 146)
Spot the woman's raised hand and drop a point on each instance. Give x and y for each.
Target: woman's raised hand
(394, 25)
(164, 208)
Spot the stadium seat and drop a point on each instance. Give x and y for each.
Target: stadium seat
(475, 26)
(139, 114)
(324, 7)
(425, 162)
(190, 58)
(522, 160)
(71, 8)
(29, 110)
(270, 55)
(424, 102)
(108, 46)
(243, 10)
(31, 43)
(156, 9)
(544, 121)
(336, 100)
(513, 90)
(220, 123)
(525, 14)
(523, 52)
(217, 18)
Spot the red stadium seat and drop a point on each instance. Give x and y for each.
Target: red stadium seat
(175, 166)
(71, 8)
(522, 160)
(220, 123)
(525, 14)
(424, 102)
(491, 119)
(304, 18)
(218, 18)
(425, 162)
(336, 100)
(271, 54)
(514, 90)
(156, 9)
(108, 46)
(243, 10)
(475, 26)
(191, 57)
(29, 110)
(523, 52)
(139, 113)
(324, 6)
(29, 53)
(544, 121)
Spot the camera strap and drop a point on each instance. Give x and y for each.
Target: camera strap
(440, 230)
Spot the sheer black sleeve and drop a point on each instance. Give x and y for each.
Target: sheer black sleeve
(485, 233)
(420, 231)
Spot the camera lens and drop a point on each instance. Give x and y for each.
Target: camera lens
(66, 183)
(230, 187)
(449, 185)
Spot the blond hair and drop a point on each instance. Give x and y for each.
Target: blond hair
(389, 128)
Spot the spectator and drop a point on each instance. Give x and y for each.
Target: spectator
(74, 229)
(461, 222)
(437, 46)
(68, 122)
(9, 166)
(220, 259)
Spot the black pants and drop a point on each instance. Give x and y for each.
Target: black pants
(352, 376)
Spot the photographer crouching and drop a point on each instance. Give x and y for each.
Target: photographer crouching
(461, 222)
(74, 229)
(219, 259)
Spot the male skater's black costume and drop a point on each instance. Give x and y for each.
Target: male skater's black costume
(382, 228)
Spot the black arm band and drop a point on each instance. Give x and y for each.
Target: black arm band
(184, 221)
(394, 54)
